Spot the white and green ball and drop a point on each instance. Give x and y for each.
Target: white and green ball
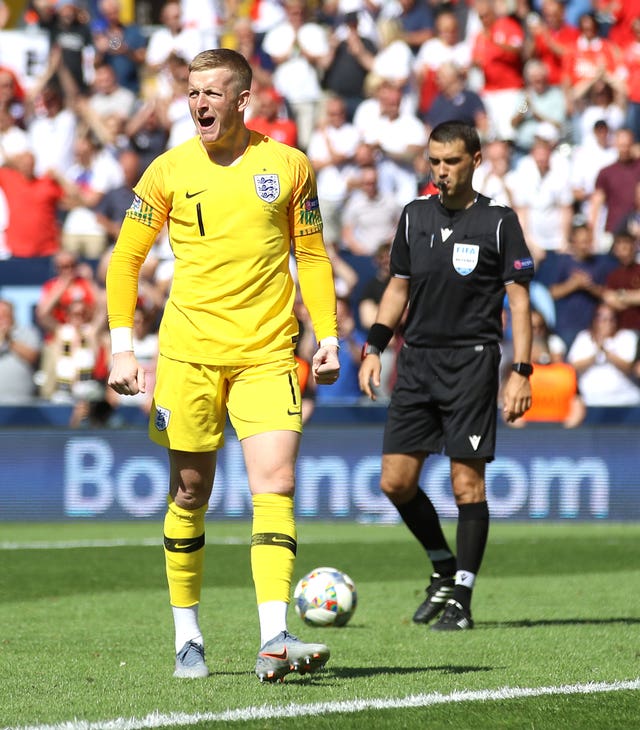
(325, 597)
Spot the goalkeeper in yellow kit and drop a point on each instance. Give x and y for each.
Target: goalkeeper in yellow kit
(236, 203)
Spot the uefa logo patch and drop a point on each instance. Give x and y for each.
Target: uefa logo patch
(267, 187)
(465, 257)
(162, 418)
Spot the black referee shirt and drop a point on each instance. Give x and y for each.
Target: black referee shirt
(458, 262)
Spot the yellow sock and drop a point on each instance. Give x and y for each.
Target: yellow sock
(184, 553)
(273, 546)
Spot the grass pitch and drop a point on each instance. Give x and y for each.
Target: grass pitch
(86, 640)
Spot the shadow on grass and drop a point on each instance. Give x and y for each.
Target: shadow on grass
(374, 671)
(355, 672)
(528, 623)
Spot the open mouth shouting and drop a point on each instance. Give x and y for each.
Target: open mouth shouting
(206, 122)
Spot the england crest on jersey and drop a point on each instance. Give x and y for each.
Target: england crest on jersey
(267, 187)
(465, 257)
(162, 418)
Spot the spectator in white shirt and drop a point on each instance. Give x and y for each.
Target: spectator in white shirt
(297, 48)
(207, 17)
(174, 109)
(604, 356)
(542, 195)
(398, 136)
(108, 96)
(587, 159)
(332, 150)
(52, 133)
(537, 102)
(93, 172)
(173, 37)
(603, 101)
(370, 216)
(19, 353)
(13, 140)
(394, 59)
(490, 177)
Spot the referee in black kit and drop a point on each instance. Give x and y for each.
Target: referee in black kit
(453, 257)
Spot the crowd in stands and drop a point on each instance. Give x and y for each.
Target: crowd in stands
(553, 87)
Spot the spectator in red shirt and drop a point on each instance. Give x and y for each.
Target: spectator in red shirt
(271, 118)
(551, 38)
(32, 204)
(497, 52)
(73, 282)
(622, 13)
(12, 94)
(591, 58)
(631, 59)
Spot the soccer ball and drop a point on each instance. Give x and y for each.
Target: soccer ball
(325, 597)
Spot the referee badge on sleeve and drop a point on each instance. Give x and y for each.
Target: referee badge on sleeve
(162, 418)
(465, 257)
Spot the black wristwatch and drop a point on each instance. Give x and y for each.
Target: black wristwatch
(369, 349)
(522, 368)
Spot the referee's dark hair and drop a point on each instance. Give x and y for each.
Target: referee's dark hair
(452, 131)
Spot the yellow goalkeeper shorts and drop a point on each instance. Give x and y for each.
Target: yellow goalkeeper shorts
(191, 402)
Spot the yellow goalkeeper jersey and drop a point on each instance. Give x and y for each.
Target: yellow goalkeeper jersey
(231, 230)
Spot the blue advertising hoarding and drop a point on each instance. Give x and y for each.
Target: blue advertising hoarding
(591, 473)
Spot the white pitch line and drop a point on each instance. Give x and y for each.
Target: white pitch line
(274, 712)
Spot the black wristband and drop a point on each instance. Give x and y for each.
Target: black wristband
(522, 368)
(379, 335)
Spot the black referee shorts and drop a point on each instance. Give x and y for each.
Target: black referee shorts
(445, 399)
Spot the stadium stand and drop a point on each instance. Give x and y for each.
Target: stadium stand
(26, 70)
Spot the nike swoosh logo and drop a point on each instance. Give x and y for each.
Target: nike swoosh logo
(183, 544)
(282, 655)
(281, 541)
(193, 195)
(293, 413)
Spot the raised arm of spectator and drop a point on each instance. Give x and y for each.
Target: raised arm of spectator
(350, 241)
(596, 205)
(342, 271)
(93, 120)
